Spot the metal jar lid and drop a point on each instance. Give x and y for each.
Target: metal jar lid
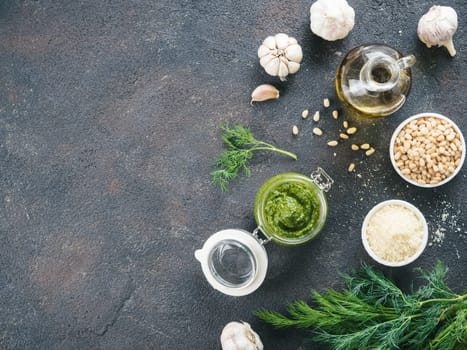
(234, 261)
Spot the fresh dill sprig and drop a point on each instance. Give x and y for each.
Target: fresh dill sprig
(240, 144)
(373, 313)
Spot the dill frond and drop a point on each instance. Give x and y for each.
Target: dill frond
(373, 313)
(240, 144)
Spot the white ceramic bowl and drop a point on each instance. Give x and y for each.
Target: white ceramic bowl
(398, 130)
(419, 216)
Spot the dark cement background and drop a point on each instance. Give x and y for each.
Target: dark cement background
(108, 130)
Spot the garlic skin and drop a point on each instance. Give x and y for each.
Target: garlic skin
(264, 92)
(280, 55)
(240, 336)
(331, 19)
(437, 27)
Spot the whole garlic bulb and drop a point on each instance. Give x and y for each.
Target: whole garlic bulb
(331, 19)
(240, 336)
(280, 55)
(437, 27)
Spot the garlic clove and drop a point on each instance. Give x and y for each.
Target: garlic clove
(264, 61)
(294, 53)
(272, 67)
(264, 92)
(283, 70)
(284, 60)
(270, 42)
(263, 51)
(282, 41)
(292, 41)
(293, 67)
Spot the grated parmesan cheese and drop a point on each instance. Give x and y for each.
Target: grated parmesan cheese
(394, 233)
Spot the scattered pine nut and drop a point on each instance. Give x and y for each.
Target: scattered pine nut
(333, 143)
(351, 130)
(335, 114)
(355, 147)
(345, 124)
(370, 151)
(365, 146)
(317, 131)
(295, 130)
(351, 167)
(316, 116)
(305, 114)
(326, 102)
(343, 136)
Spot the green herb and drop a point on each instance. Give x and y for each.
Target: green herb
(240, 147)
(373, 313)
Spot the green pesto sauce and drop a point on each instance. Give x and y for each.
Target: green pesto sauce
(291, 210)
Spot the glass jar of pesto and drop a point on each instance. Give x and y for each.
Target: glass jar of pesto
(290, 209)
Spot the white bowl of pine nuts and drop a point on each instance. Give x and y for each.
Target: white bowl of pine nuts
(427, 150)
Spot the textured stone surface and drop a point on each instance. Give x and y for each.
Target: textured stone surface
(108, 130)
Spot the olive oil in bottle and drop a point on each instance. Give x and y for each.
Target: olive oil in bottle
(374, 80)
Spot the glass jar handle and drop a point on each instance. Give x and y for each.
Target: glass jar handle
(406, 61)
(322, 179)
(387, 67)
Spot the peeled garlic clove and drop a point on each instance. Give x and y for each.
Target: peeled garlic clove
(240, 336)
(437, 27)
(272, 67)
(294, 53)
(264, 92)
(270, 42)
(293, 67)
(282, 41)
(331, 19)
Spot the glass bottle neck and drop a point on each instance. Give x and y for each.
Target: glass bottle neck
(381, 72)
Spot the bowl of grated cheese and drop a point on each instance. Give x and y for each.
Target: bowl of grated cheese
(394, 233)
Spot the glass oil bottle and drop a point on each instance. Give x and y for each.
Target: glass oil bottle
(374, 80)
